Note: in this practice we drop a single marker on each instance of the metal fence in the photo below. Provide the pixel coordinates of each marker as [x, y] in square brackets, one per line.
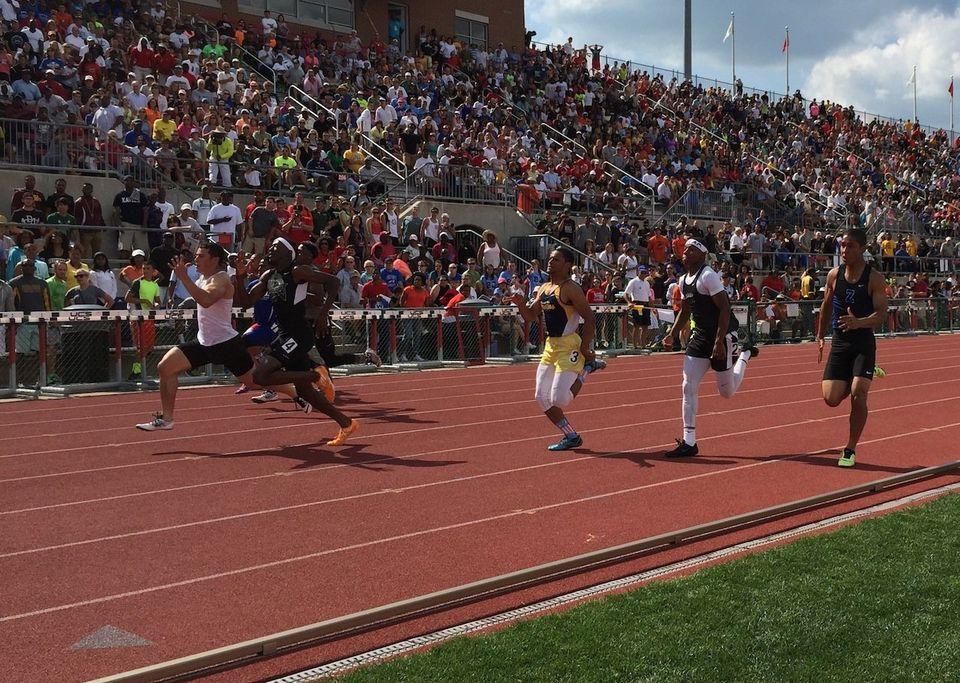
[65, 352]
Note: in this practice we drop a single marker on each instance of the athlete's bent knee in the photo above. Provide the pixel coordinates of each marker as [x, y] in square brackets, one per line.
[561, 397]
[544, 402]
[833, 401]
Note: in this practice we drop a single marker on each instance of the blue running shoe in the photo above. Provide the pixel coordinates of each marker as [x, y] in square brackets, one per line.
[592, 366]
[568, 442]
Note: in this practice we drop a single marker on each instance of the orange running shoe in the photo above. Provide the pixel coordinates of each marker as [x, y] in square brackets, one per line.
[344, 434]
[324, 383]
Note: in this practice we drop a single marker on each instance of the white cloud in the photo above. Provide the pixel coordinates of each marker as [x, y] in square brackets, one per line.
[872, 72]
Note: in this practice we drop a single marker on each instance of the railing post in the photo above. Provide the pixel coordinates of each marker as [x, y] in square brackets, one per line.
[42, 379]
[393, 340]
[440, 338]
[117, 350]
[12, 354]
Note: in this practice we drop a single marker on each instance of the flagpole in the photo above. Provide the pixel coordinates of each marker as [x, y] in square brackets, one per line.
[733, 50]
[951, 109]
[914, 92]
[788, 60]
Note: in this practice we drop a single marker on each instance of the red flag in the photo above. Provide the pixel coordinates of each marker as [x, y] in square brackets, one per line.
[786, 43]
[950, 89]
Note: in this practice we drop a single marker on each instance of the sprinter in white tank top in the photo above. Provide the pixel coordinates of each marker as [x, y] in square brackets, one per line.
[217, 341]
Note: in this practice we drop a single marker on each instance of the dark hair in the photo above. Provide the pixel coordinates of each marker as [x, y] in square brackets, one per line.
[311, 247]
[566, 254]
[106, 261]
[216, 251]
[859, 235]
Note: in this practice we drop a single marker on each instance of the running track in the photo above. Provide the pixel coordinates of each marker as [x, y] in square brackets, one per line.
[237, 524]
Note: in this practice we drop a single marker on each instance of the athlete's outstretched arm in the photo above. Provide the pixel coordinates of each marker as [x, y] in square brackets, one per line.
[216, 288]
[722, 302]
[825, 310]
[529, 312]
[678, 324]
[580, 305]
[241, 297]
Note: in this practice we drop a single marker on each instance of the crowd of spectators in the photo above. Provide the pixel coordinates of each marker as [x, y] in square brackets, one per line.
[125, 86]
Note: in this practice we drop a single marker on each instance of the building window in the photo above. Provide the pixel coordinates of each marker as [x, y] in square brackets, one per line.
[338, 13]
[470, 31]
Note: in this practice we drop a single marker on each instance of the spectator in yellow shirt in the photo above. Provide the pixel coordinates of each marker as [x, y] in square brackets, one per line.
[288, 169]
[354, 157]
[219, 151]
[165, 127]
[911, 246]
[887, 248]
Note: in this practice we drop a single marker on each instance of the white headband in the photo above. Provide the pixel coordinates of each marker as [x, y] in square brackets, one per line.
[695, 244]
[285, 243]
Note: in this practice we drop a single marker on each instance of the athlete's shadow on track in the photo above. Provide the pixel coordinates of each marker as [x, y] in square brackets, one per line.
[378, 414]
[318, 455]
[650, 458]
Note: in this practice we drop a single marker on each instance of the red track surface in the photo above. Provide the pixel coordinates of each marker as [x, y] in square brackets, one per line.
[237, 524]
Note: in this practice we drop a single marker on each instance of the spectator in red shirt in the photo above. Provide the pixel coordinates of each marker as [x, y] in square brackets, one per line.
[749, 291]
[415, 295]
[444, 251]
[373, 292]
[774, 283]
[383, 250]
[164, 61]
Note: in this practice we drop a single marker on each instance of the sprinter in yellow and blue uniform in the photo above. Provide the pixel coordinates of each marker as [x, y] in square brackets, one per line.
[567, 356]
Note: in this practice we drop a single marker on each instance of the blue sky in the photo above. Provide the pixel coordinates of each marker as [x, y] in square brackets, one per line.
[858, 52]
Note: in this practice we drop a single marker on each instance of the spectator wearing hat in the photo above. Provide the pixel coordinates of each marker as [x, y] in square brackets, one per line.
[189, 227]
[639, 295]
[165, 127]
[86, 293]
[219, 151]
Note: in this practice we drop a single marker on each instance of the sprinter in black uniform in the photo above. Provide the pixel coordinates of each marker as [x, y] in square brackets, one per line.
[713, 342]
[288, 357]
[854, 302]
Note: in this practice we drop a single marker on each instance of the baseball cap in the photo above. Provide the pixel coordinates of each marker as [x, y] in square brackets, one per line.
[137, 252]
[185, 206]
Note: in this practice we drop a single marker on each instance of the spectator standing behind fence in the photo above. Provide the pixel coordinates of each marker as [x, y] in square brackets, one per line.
[102, 275]
[202, 205]
[130, 214]
[144, 294]
[74, 263]
[88, 212]
[219, 150]
[86, 293]
[224, 220]
[57, 286]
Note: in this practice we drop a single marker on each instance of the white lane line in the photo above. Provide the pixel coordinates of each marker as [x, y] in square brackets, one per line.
[420, 430]
[421, 408]
[458, 525]
[455, 480]
[443, 377]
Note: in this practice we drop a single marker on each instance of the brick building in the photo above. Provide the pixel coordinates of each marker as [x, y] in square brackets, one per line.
[476, 21]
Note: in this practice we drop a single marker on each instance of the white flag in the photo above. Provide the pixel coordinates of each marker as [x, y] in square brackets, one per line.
[913, 77]
[729, 30]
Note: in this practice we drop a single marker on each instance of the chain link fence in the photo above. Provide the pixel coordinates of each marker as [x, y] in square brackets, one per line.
[64, 352]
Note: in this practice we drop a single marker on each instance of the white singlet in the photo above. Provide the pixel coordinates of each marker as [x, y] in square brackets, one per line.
[215, 322]
[392, 224]
[432, 231]
[491, 255]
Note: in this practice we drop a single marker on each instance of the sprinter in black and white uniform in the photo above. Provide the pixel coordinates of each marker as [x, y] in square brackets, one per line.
[713, 342]
[288, 359]
[217, 341]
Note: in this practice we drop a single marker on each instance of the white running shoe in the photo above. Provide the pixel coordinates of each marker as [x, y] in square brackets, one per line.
[303, 405]
[373, 357]
[266, 397]
[157, 423]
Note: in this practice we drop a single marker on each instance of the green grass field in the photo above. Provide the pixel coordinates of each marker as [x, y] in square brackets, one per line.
[878, 601]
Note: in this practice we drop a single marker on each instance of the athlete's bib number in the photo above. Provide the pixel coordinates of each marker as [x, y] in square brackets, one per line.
[575, 356]
[289, 346]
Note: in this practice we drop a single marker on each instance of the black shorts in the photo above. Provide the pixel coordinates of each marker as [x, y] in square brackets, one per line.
[292, 352]
[701, 346]
[231, 354]
[851, 356]
[641, 318]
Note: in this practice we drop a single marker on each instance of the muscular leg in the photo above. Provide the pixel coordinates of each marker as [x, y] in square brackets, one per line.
[730, 380]
[328, 351]
[171, 365]
[694, 370]
[269, 368]
[858, 409]
[834, 391]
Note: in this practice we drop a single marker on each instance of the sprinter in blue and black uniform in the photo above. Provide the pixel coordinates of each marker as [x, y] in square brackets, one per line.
[854, 303]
